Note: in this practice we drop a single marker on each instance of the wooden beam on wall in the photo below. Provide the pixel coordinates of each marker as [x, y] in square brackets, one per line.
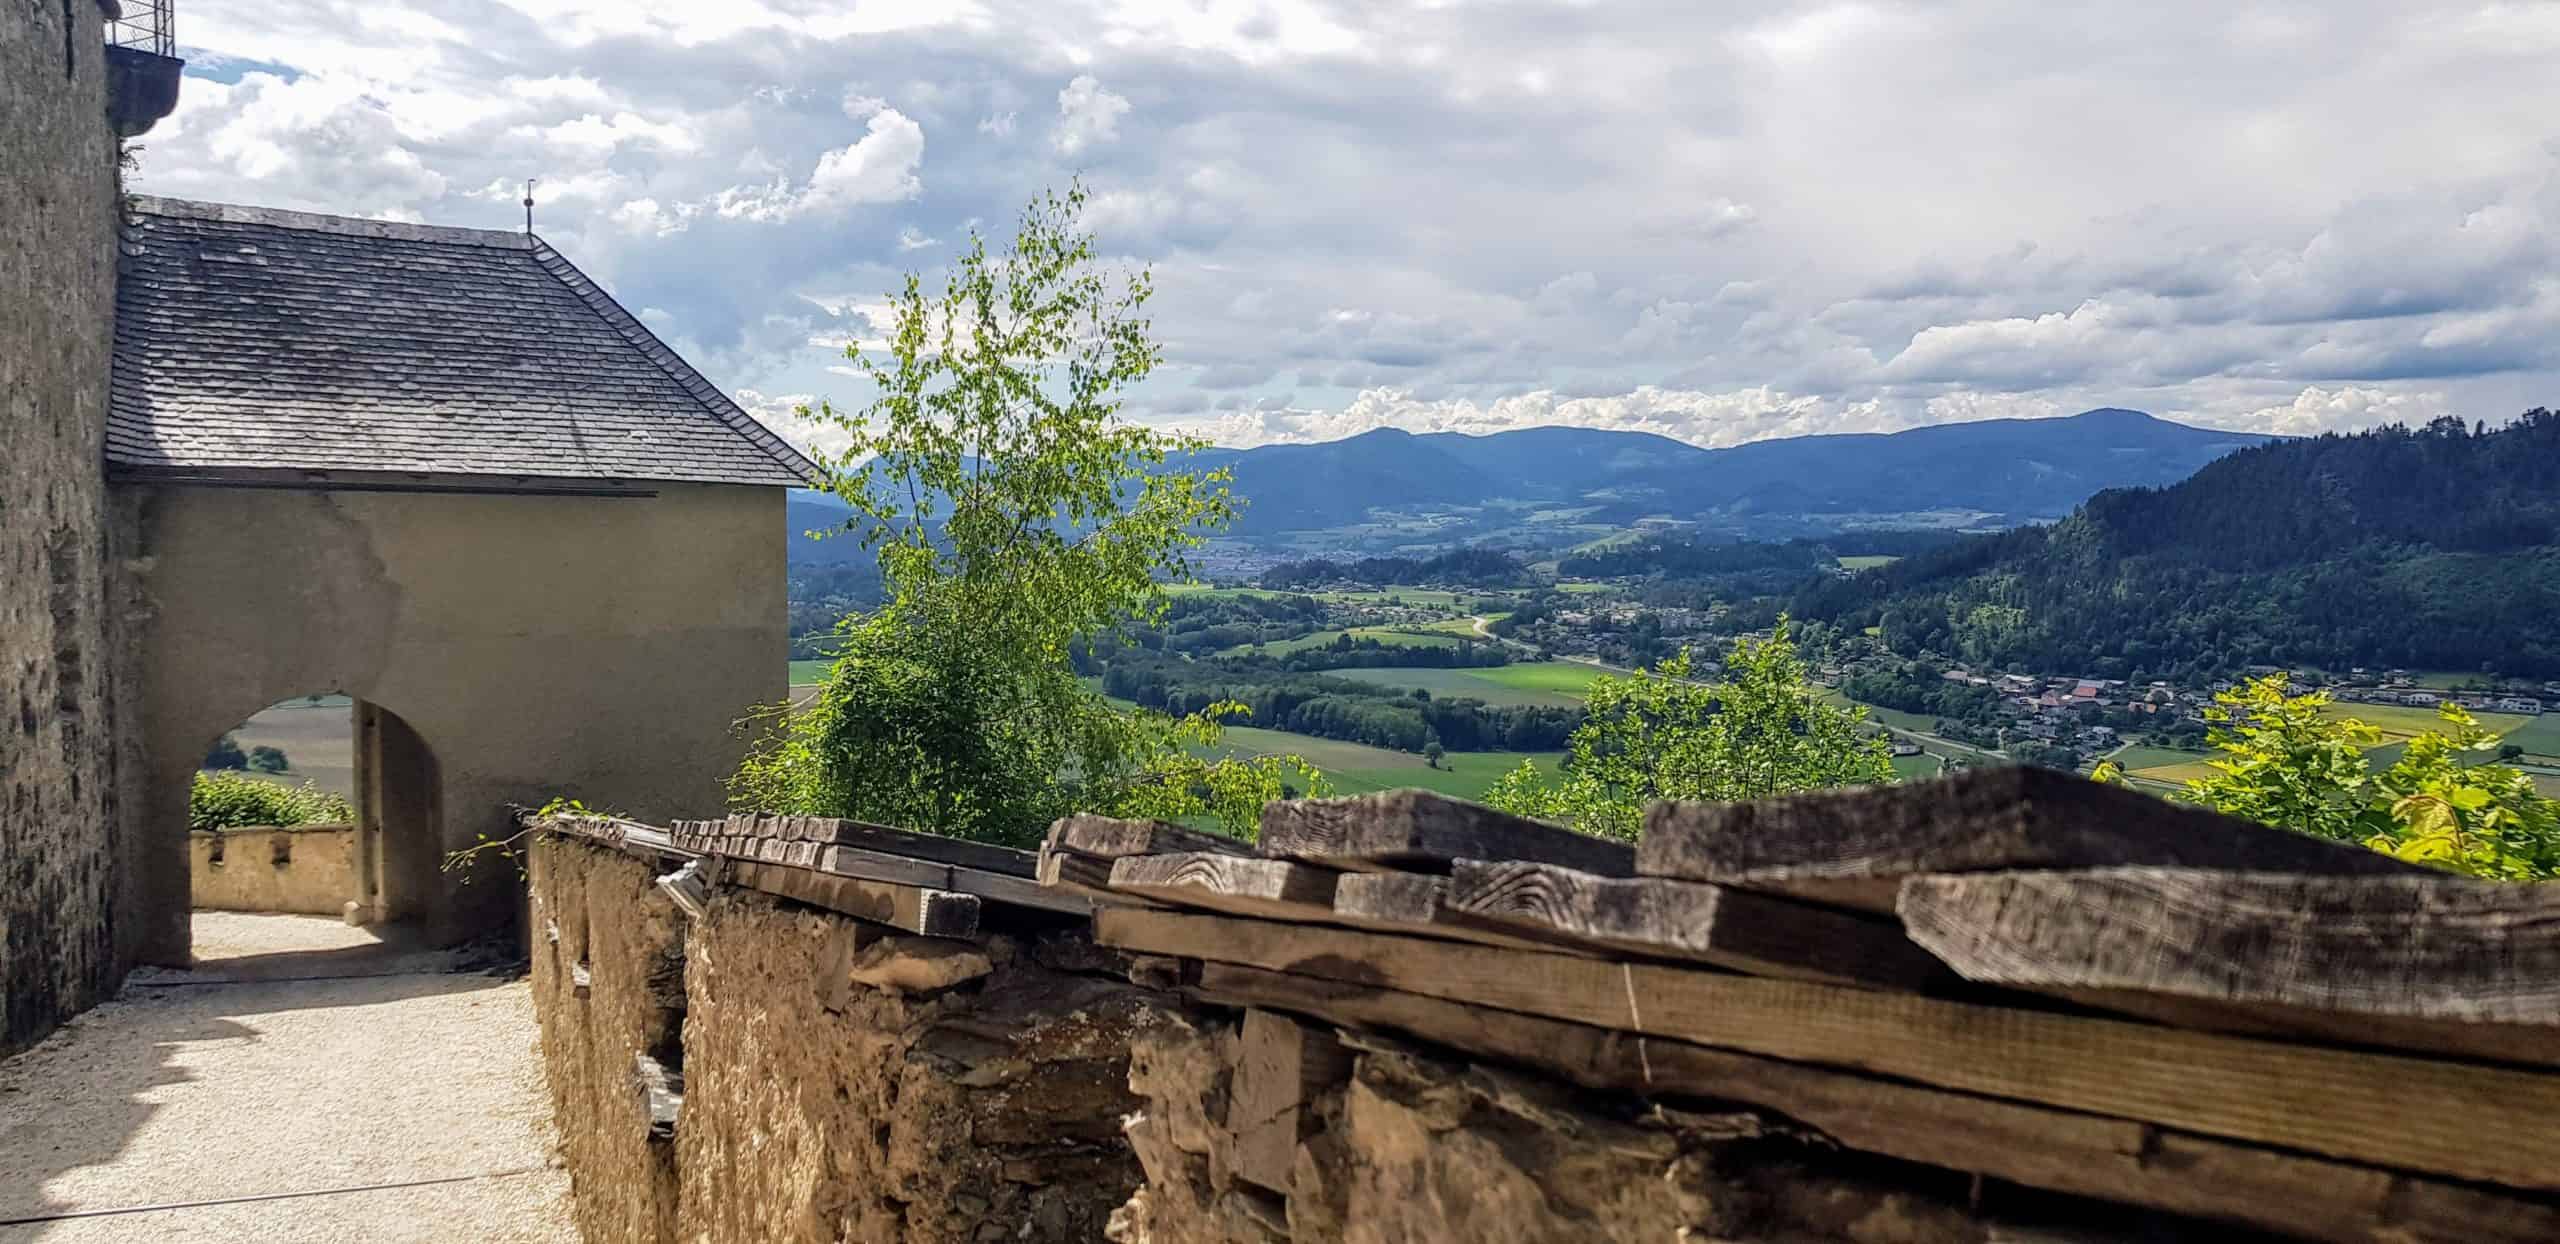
[2408, 1113]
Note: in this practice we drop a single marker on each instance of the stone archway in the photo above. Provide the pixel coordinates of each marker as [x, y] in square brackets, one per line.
[373, 861]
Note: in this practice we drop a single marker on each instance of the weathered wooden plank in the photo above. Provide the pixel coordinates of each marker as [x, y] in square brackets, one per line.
[1114, 838]
[1853, 847]
[1665, 917]
[1227, 883]
[1281, 1065]
[2082, 1154]
[927, 912]
[1420, 831]
[1414, 903]
[985, 857]
[2463, 1120]
[1075, 870]
[2438, 964]
[876, 866]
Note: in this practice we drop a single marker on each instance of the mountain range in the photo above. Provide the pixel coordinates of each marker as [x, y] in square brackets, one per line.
[1451, 486]
[1393, 491]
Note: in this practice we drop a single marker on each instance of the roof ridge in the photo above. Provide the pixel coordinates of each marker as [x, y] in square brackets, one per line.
[317, 222]
[693, 382]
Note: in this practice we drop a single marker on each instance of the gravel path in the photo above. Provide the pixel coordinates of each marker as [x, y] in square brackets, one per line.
[232, 1082]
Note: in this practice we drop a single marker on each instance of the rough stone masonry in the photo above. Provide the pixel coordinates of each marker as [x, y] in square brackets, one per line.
[59, 767]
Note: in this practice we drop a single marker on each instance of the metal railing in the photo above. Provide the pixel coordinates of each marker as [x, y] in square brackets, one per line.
[144, 25]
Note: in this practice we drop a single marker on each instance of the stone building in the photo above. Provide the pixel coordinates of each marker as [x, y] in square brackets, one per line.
[250, 455]
[439, 471]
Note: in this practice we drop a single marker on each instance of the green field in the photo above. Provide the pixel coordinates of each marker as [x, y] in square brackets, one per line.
[1474, 683]
[1399, 639]
[1868, 561]
[2134, 759]
[1464, 628]
[1882, 716]
[2539, 736]
[1357, 768]
[1574, 677]
[808, 673]
[1581, 588]
[2399, 721]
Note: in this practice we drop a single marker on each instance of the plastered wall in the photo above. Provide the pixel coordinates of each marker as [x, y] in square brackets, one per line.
[597, 648]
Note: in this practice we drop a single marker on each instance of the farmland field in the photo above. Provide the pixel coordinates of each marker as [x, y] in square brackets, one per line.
[806, 673]
[1868, 561]
[1475, 683]
[1573, 677]
[318, 741]
[2399, 721]
[2539, 736]
[2135, 759]
[1400, 639]
[1357, 768]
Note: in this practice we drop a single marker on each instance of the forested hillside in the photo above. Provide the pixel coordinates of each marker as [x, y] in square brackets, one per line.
[2429, 548]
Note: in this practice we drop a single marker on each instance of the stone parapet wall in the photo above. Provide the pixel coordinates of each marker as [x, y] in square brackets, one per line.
[1408, 1142]
[303, 868]
[1862, 1016]
[976, 1093]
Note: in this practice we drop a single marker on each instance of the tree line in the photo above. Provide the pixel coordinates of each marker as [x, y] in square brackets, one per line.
[2426, 548]
[1347, 709]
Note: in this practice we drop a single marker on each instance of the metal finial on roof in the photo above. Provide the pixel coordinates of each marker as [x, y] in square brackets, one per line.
[528, 206]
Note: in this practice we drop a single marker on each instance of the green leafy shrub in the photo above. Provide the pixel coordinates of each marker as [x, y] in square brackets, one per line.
[233, 800]
[1660, 735]
[2444, 802]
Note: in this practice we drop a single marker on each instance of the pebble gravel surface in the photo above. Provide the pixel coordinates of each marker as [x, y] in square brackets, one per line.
[357, 1093]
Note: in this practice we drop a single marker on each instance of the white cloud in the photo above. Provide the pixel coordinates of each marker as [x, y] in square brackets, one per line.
[880, 167]
[644, 215]
[2342, 409]
[1088, 115]
[1709, 221]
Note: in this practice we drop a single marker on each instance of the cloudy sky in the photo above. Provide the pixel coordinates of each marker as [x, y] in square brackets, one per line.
[1717, 221]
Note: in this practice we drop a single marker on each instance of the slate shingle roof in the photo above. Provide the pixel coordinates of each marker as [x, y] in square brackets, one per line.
[249, 339]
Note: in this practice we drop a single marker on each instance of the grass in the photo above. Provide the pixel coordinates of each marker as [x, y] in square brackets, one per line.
[2136, 759]
[1357, 768]
[2399, 721]
[1566, 676]
[809, 673]
[2538, 736]
[2175, 775]
[1868, 561]
[1464, 628]
[1398, 639]
[1450, 684]
[1580, 587]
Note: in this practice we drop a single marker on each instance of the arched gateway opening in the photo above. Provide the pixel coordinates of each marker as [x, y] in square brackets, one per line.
[313, 825]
